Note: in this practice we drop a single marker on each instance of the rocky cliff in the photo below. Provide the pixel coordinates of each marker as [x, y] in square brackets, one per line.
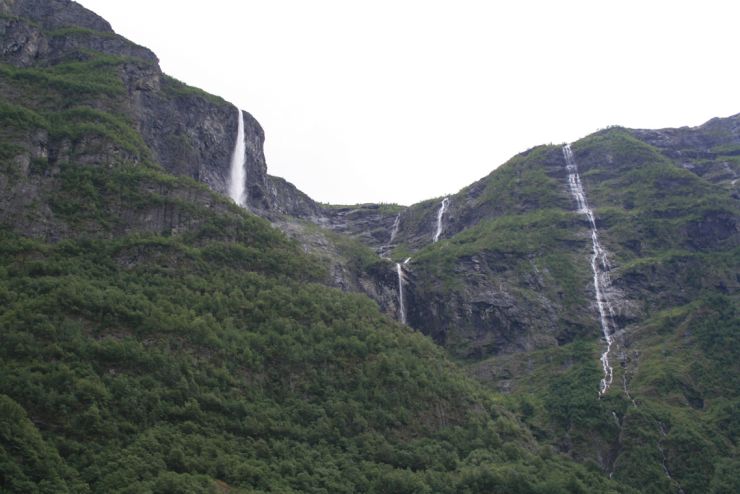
[188, 132]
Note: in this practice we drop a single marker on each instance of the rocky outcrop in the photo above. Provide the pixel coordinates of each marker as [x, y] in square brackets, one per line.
[60, 30]
[189, 133]
[707, 150]
[22, 44]
[186, 131]
[693, 140]
[352, 266]
[372, 224]
[487, 312]
[284, 198]
[55, 14]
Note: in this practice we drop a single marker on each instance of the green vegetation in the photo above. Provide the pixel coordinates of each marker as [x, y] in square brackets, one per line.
[156, 338]
[383, 207]
[20, 117]
[523, 184]
[174, 87]
[152, 363]
[360, 257]
[671, 238]
[79, 122]
[164, 340]
[74, 31]
[74, 81]
[521, 241]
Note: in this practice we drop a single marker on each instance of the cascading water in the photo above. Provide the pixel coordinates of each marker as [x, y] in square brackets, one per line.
[238, 176]
[401, 282]
[599, 266]
[399, 269]
[394, 230]
[440, 213]
[401, 305]
[383, 250]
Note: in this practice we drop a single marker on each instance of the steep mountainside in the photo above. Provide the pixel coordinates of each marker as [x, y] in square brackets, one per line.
[508, 288]
[156, 337]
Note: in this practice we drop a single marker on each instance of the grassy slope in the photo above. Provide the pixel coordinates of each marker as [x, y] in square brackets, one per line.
[657, 222]
[678, 256]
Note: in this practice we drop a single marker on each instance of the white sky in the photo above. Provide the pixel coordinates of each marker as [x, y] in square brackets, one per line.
[405, 100]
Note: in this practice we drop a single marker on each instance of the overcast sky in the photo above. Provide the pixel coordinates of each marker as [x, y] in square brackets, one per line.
[400, 101]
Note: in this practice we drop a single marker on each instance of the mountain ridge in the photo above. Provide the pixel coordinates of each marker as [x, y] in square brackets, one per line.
[104, 155]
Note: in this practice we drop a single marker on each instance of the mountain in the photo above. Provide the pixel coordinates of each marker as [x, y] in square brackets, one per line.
[509, 291]
[156, 337]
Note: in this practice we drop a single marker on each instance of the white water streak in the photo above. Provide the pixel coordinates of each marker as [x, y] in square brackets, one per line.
[384, 249]
[401, 283]
[238, 177]
[664, 434]
[394, 230]
[626, 389]
[599, 266]
[440, 213]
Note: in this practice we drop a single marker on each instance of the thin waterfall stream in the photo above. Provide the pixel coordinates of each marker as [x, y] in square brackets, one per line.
[599, 267]
[394, 230]
[401, 283]
[238, 174]
[442, 209]
[399, 268]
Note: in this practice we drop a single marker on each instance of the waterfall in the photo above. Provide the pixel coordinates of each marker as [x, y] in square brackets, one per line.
[599, 267]
[384, 249]
[401, 282]
[238, 175]
[394, 230]
[401, 305]
[440, 213]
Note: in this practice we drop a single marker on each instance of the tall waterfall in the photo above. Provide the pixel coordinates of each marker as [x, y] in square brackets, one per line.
[440, 213]
[599, 266]
[238, 177]
[401, 282]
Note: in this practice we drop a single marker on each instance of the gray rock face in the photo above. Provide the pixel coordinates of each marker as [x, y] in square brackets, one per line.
[60, 30]
[258, 189]
[378, 279]
[372, 224]
[187, 131]
[693, 140]
[188, 134]
[707, 150]
[22, 45]
[284, 198]
[62, 44]
[55, 14]
[487, 313]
